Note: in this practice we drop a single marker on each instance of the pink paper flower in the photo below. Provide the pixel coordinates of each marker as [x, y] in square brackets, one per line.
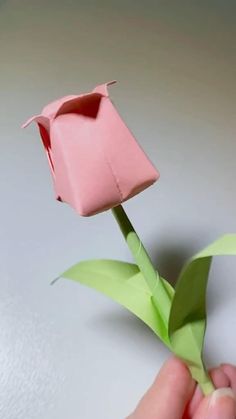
[95, 160]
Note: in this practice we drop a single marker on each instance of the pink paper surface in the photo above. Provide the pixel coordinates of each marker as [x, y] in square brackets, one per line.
[95, 160]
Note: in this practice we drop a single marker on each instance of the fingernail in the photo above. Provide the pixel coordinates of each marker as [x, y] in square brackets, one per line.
[222, 404]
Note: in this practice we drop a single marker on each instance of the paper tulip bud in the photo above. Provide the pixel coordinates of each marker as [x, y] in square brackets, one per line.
[95, 160]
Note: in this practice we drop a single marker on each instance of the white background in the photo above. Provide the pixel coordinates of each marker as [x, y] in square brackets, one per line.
[67, 352]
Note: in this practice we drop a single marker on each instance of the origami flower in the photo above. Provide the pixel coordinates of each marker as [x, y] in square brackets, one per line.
[95, 160]
[97, 164]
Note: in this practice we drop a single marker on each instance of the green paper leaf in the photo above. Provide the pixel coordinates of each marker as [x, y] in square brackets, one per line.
[187, 321]
[124, 283]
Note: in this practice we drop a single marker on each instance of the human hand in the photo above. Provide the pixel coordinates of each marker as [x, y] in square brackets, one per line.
[175, 395]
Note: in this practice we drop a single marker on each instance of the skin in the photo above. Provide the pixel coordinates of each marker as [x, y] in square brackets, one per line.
[174, 395]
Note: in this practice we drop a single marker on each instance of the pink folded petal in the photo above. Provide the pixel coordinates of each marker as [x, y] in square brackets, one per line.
[95, 160]
[103, 88]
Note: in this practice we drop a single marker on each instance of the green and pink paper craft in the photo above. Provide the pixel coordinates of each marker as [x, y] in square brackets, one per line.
[96, 165]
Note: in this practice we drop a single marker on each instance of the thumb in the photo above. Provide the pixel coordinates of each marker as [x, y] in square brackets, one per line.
[221, 404]
[168, 396]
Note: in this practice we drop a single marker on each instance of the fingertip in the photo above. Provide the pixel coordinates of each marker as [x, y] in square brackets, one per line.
[230, 371]
[220, 404]
[219, 377]
[176, 375]
[178, 369]
[173, 383]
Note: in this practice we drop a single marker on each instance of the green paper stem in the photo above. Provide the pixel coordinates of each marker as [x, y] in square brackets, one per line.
[203, 379]
[157, 287]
